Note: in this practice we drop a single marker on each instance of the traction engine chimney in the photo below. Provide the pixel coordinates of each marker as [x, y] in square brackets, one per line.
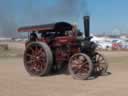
[87, 27]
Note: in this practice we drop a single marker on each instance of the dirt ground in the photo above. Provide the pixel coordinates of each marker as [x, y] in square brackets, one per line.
[14, 80]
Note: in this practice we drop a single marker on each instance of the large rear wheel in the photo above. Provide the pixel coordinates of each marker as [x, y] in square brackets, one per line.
[80, 66]
[38, 59]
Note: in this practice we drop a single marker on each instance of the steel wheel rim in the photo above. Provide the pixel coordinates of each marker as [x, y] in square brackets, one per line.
[100, 63]
[80, 67]
[35, 59]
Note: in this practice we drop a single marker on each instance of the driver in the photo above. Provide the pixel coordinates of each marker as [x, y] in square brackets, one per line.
[33, 36]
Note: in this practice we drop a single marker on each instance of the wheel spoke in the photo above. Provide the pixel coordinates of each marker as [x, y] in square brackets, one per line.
[36, 60]
[40, 51]
[101, 58]
[29, 62]
[100, 63]
[80, 65]
[29, 56]
[32, 50]
[42, 65]
[36, 48]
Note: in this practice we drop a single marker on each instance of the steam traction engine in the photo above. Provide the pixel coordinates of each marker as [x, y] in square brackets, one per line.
[54, 47]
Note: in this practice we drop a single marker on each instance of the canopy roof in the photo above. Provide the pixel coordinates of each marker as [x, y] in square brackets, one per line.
[59, 26]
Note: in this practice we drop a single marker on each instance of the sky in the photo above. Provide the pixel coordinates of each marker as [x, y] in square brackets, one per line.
[107, 16]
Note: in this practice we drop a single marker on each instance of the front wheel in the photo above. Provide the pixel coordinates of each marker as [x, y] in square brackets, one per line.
[100, 63]
[80, 66]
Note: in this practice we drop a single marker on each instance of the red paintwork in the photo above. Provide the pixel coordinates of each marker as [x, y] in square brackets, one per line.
[58, 43]
[63, 47]
[64, 40]
[33, 29]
